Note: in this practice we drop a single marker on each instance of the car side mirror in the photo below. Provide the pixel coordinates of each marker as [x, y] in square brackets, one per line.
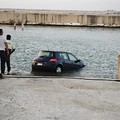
[78, 60]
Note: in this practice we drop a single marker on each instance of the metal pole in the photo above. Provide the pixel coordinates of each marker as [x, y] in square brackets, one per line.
[119, 66]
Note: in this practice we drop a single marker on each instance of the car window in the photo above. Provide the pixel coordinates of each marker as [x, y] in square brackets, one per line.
[72, 57]
[46, 53]
[63, 56]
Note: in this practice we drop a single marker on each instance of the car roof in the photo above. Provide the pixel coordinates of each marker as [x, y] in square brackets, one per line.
[54, 51]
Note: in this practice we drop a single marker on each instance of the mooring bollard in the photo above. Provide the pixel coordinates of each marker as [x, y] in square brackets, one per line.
[119, 66]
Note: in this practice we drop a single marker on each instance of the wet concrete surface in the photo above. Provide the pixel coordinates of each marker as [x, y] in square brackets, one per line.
[52, 98]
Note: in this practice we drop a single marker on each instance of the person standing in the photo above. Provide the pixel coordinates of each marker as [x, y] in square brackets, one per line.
[11, 49]
[14, 25]
[22, 26]
[3, 45]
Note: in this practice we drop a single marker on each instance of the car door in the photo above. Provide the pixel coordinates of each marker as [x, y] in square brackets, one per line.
[74, 61]
[65, 60]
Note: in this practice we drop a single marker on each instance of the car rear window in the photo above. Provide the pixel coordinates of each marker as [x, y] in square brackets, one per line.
[45, 53]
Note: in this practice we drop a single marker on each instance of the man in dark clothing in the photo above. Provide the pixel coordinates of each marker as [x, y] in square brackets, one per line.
[3, 45]
[11, 49]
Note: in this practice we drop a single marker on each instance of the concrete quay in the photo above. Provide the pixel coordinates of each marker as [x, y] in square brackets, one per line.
[55, 98]
[60, 17]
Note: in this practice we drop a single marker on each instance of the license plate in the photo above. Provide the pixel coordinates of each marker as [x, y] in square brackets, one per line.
[40, 64]
[33, 63]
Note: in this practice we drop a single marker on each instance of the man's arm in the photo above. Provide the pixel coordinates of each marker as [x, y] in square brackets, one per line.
[11, 51]
[13, 48]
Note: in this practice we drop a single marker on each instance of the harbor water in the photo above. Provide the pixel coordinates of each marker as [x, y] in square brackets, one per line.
[98, 47]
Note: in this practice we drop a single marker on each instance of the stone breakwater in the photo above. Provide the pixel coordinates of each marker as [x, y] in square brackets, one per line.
[60, 17]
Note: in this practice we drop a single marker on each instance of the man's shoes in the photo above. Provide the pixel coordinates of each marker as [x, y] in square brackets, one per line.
[1, 76]
[8, 73]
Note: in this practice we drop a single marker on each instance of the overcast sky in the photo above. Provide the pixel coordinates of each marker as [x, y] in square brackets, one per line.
[62, 4]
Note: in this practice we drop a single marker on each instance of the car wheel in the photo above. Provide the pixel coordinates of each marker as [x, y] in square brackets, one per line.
[58, 69]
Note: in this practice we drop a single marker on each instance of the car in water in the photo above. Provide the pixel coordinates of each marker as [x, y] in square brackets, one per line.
[56, 61]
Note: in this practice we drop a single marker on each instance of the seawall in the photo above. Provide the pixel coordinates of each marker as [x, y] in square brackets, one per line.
[60, 17]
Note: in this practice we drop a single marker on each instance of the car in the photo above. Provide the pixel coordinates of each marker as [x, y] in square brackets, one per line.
[56, 61]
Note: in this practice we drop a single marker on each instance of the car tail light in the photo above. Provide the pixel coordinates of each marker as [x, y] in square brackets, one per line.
[53, 60]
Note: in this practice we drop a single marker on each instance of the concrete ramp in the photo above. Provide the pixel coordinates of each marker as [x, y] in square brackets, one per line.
[41, 98]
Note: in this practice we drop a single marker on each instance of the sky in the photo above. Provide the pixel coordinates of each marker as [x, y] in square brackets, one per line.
[90, 5]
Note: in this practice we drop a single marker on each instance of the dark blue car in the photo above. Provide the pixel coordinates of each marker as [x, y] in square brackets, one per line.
[56, 61]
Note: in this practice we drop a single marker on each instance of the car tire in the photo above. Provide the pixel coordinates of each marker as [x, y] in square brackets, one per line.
[58, 69]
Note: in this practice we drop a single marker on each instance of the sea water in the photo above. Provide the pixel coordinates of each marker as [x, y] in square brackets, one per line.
[98, 47]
